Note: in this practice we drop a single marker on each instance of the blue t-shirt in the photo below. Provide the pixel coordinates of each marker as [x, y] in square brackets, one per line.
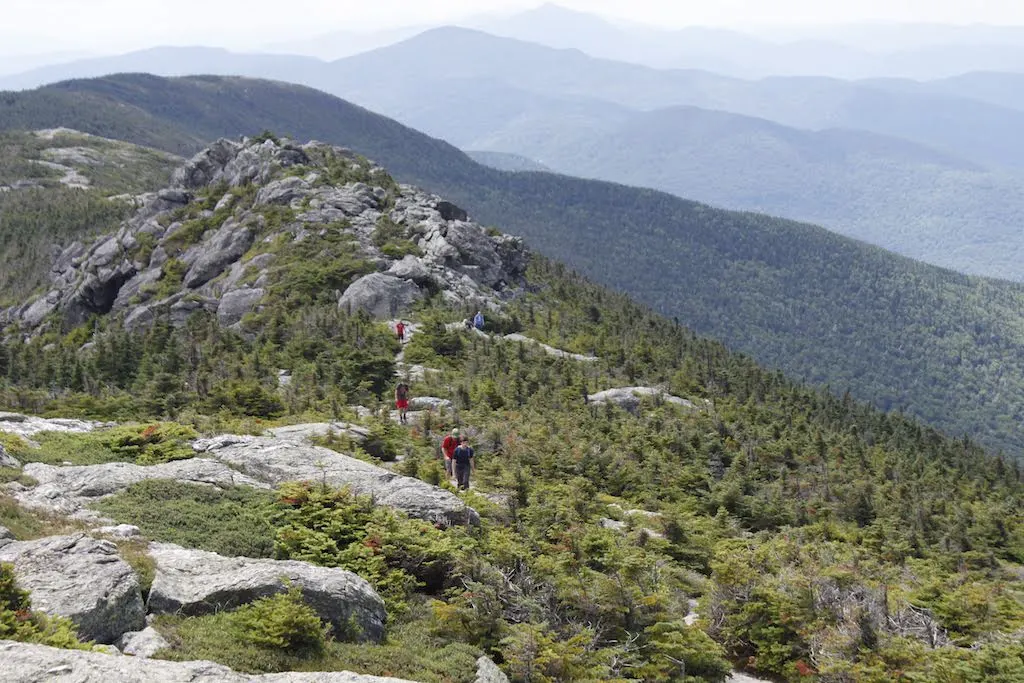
[463, 455]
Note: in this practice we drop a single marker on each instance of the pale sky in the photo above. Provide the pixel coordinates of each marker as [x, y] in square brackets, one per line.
[42, 26]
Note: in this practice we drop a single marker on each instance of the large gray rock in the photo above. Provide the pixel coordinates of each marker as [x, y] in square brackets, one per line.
[380, 295]
[225, 247]
[27, 663]
[235, 304]
[6, 459]
[142, 644]
[488, 672]
[550, 350]
[282, 191]
[429, 403]
[629, 398]
[411, 268]
[198, 582]
[96, 293]
[306, 431]
[80, 578]
[277, 461]
[69, 490]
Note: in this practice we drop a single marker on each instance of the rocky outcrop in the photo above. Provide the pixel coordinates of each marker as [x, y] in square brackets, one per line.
[80, 578]
[209, 259]
[488, 672]
[235, 304]
[550, 350]
[37, 663]
[276, 461]
[380, 295]
[69, 490]
[28, 426]
[305, 432]
[123, 271]
[429, 403]
[630, 398]
[142, 644]
[195, 582]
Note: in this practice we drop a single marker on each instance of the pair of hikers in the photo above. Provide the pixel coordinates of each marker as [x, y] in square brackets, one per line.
[476, 321]
[458, 458]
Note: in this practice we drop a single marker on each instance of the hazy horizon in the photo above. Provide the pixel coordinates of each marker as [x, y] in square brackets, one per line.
[41, 27]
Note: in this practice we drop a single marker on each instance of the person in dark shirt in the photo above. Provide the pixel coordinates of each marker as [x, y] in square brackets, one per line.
[464, 463]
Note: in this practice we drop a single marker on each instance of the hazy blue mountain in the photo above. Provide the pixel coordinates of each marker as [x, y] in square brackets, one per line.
[381, 79]
[337, 44]
[919, 51]
[504, 161]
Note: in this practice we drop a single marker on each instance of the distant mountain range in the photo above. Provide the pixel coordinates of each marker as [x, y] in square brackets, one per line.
[919, 51]
[931, 170]
[898, 333]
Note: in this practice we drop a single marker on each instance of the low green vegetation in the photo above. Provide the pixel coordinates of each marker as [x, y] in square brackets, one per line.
[233, 522]
[149, 444]
[240, 640]
[19, 622]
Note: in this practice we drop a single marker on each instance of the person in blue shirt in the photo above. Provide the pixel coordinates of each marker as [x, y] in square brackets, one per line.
[464, 463]
[478, 320]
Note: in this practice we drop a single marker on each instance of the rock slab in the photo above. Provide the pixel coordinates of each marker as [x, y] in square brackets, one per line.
[69, 490]
[198, 582]
[37, 663]
[81, 578]
[276, 461]
[142, 644]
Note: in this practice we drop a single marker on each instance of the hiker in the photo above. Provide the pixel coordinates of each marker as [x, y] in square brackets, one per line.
[478, 320]
[468, 322]
[448, 446]
[464, 463]
[402, 401]
[400, 331]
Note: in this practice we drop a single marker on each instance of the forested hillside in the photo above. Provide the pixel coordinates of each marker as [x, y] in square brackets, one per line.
[54, 189]
[899, 334]
[818, 538]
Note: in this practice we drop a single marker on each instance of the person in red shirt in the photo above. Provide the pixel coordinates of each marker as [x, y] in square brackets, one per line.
[402, 401]
[400, 330]
[448, 446]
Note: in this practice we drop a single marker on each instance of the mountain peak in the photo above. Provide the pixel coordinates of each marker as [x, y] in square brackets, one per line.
[241, 219]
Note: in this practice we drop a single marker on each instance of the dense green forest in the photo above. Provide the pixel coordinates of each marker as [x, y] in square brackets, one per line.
[37, 219]
[825, 309]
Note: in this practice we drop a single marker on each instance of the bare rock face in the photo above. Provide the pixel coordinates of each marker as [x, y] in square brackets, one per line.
[37, 663]
[226, 246]
[382, 296]
[235, 304]
[69, 490]
[277, 461]
[198, 582]
[28, 425]
[80, 578]
[629, 398]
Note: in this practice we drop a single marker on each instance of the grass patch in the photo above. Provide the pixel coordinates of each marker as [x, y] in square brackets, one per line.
[9, 474]
[411, 651]
[28, 525]
[141, 444]
[136, 553]
[231, 522]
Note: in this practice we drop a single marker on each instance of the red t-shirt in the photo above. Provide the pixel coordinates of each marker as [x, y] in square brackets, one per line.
[448, 446]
